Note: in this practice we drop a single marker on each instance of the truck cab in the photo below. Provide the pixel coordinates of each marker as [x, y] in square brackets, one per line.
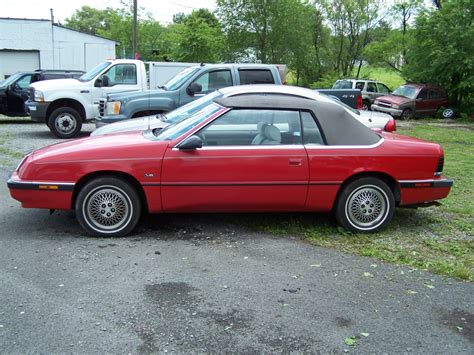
[65, 104]
[189, 85]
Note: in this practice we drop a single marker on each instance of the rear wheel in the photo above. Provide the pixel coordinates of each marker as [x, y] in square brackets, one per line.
[65, 122]
[365, 205]
[448, 113]
[108, 207]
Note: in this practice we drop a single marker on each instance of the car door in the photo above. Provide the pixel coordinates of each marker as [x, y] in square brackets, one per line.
[121, 77]
[251, 160]
[18, 94]
[209, 81]
[422, 103]
[371, 91]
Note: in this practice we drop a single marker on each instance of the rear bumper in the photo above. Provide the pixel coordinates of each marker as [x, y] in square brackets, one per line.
[391, 111]
[424, 191]
[41, 194]
[38, 110]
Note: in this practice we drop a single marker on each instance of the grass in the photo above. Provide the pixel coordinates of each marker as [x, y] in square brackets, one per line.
[438, 239]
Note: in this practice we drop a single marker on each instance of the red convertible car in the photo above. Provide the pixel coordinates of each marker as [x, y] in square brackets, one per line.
[247, 153]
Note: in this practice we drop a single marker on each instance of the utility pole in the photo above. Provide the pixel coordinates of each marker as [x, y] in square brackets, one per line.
[52, 37]
[134, 28]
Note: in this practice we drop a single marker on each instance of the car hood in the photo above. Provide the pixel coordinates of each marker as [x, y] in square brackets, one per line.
[394, 99]
[131, 145]
[135, 124]
[120, 96]
[55, 84]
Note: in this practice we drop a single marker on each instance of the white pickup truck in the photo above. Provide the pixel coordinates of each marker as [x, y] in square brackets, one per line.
[64, 104]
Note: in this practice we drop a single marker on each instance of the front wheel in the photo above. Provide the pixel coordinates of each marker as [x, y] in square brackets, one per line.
[108, 207]
[65, 122]
[407, 114]
[365, 205]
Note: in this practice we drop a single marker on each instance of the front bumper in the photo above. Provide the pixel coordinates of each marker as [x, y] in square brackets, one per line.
[391, 111]
[41, 194]
[101, 121]
[38, 110]
[424, 191]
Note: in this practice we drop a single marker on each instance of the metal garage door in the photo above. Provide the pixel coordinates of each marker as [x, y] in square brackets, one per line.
[12, 61]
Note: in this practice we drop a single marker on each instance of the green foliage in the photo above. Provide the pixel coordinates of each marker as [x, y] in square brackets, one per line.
[196, 38]
[443, 51]
[93, 21]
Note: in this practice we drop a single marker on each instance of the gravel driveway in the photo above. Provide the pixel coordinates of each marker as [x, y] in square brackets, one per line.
[195, 283]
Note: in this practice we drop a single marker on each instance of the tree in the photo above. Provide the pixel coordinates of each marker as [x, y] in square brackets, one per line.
[196, 37]
[443, 50]
[351, 22]
[93, 21]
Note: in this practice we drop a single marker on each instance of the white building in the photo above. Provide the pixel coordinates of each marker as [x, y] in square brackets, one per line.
[27, 44]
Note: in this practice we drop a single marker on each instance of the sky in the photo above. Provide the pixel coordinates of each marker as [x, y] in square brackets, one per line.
[162, 10]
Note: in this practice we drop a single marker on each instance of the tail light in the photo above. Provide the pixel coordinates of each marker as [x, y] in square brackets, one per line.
[359, 102]
[390, 126]
[439, 166]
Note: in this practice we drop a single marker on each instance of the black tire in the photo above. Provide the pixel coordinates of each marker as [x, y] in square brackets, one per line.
[365, 205]
[122, 209]
[365, 105]
[407, 114]
[65, 122]
[448, 113]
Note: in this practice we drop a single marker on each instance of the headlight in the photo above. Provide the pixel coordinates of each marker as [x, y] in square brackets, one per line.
[39, 97]
[113, 107]
[395, 106]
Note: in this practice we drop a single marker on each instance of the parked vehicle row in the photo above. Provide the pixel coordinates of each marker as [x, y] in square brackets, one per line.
[65, 105]
[160, 121]
[370, 89]
[242, 149]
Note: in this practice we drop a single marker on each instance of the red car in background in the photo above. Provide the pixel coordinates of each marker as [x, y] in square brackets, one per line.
[414, 100]
[246, 153]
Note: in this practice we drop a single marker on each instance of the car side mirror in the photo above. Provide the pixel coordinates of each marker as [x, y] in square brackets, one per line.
[419, 99]
[193, 89]
[191, 143]
[102, 81]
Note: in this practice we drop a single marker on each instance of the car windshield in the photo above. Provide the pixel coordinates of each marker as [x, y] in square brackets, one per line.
[91, 74]
[175, 130]
[178, 80]
[10, 80]
[342, 84]
[191, 108]
[407, 91]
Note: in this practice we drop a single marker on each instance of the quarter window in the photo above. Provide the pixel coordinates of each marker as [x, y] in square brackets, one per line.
[255, 76]
[253, 127]
[214, 80]
[311, 132]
